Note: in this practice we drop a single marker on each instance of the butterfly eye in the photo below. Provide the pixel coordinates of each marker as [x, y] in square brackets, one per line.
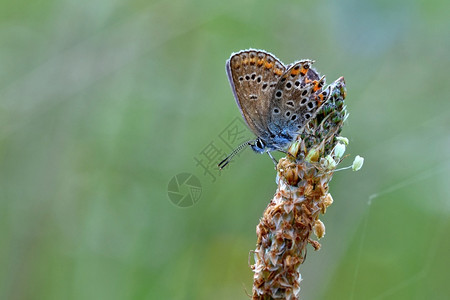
[259, 144]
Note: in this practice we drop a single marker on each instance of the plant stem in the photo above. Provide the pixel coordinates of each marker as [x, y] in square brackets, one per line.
[302, 195]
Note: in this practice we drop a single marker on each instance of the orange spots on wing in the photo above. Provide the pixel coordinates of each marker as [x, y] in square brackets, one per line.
[295, 72]
[303, 71]
[307, 80]
[319, 100]
[316, 86]
[278, 72]
[268, 65]
[260, 62]
[252, 60]
[245, 61]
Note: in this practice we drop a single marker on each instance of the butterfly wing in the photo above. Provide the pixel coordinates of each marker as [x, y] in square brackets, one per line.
[296, 98]
[253, 76]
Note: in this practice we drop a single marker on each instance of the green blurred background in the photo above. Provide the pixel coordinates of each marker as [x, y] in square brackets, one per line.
[103, 102]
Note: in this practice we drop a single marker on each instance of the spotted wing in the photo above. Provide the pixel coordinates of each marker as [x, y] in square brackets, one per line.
[253, 76]
[296, 98]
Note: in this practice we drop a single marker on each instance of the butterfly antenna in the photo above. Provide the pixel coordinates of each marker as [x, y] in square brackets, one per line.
[227, 159]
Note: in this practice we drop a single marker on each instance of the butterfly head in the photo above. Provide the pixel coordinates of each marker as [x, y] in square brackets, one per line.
[259, 146]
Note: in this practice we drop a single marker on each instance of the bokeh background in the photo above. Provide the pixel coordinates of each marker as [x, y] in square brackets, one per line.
[103, 102]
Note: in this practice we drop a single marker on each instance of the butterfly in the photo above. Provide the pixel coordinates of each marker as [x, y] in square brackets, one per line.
[276, 101]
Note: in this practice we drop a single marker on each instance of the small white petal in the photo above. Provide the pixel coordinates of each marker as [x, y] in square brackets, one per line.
[343, 140]
[331, 163]
[339, 150]
[357, 163]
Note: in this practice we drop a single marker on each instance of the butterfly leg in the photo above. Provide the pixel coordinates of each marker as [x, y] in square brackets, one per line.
[273, 159]
[287, 153]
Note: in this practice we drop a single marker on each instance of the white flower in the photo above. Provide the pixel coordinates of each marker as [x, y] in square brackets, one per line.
[339, 150]
[342, 139]
[328, 163]
[357, 163]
